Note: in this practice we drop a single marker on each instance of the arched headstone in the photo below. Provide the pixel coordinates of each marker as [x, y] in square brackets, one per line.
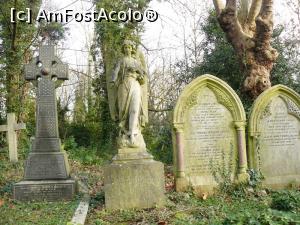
[209, 131]
[274, 136]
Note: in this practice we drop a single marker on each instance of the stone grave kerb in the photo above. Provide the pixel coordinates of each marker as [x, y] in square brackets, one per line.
[187, 99]
[289, 96]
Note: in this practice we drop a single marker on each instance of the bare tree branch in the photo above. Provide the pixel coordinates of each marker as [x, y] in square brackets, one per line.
[243, 12]
[251, 40]
[254, 11]
[231, 4]
[264, 30]
[266, 11]
[219, 6]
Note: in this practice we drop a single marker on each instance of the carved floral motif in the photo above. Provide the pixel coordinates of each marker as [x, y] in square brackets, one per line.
[292, 107]
[266, 112]
[223, 99]
[191, 101]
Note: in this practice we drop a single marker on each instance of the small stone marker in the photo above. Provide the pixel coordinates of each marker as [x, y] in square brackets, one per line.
[274, 136]
[46, 170]
[12, 140]
[209, 124]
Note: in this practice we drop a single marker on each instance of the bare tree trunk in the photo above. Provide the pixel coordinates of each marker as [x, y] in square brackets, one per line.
[250, 31]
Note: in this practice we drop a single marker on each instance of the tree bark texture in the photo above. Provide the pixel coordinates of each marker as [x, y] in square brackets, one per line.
[249, 30]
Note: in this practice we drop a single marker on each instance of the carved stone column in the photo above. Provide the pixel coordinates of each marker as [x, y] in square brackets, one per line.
[242, 154]
[181, 181]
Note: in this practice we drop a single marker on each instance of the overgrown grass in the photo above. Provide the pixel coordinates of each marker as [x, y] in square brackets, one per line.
[35, 213]
[186, 208]
[241, 205]
[244, 205]
[43, 213]
[84, 155]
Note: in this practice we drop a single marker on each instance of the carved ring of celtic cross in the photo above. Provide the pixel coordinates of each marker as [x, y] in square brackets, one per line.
[45, 70]
[46, 66]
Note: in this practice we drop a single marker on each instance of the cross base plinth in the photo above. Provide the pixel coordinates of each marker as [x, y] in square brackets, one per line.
[49, 190]
[47, 166]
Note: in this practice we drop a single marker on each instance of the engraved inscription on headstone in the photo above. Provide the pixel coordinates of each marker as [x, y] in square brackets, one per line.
[279, 130]
[209, 126]
[45, 190]
[209, 132]
[275, 136]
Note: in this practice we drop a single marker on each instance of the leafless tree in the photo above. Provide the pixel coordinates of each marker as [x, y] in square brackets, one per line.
[248, 25]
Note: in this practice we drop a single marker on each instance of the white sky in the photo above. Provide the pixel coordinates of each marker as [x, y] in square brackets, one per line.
[167, 33]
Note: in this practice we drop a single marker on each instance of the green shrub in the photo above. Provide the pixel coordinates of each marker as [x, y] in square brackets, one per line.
[222, 171]
[264, 218]
[70, 144]
[256, 178]
[159, 142]
[285, 200]
[7, 188]
[81, 134]
[85, 155]
[97, 200]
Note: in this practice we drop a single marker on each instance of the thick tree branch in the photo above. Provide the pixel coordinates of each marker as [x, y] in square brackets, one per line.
[243, 12]
[254, 11]
[264, 30]
[261, 60]
[231, 26]
[250, 37]
[266, 11]
[231, 4]
[219, 6]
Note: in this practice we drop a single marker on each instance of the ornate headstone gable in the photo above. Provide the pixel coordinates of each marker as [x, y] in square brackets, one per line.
[274, 136]
[209, 124]
[46, 163]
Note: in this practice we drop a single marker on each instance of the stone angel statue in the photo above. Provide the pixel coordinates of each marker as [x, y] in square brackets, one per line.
[129, 78]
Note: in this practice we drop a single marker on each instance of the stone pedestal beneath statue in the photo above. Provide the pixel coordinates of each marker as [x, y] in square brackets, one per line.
[134, 183]
[49, 190]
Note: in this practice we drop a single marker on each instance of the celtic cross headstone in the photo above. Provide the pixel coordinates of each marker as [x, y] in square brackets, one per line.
[44, 72]
[46, 170]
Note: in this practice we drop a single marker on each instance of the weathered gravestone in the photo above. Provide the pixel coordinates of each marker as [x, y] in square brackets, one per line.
[274, 136]
[46, 170]
[209, 126]
[11, 128]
